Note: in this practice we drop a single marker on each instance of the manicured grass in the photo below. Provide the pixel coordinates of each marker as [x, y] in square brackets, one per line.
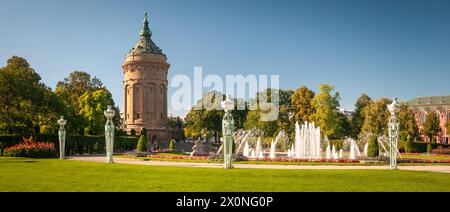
[57, 175]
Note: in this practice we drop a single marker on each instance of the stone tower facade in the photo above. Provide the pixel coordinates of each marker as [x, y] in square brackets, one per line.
[145, 87]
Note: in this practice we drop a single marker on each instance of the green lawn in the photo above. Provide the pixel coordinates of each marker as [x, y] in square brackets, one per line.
[56, 175]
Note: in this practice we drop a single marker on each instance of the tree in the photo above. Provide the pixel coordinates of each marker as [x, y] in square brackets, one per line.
[408, 145]
[376, 117]
[283, 122]
[25, 102]
[142, 142]
[429, 148]
[408, 124]
[301, 104]
[92, 106]
[70, 90]
[207, 118]
[358, 118]
[343, 128]
[326, 114]
[373, 149]
[431, 126]
[172, 146]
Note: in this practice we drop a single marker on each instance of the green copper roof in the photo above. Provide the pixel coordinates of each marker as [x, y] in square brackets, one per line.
[145, 43]
[430, 101]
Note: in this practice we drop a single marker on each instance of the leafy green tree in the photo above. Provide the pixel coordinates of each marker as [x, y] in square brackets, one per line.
[373, 149]
[376, 117]
[206, 118]
[408, 124]
[358, 118]
[271, 128]
[326, 114]
[25, 102]
[92, 107]
[431, 126]
[343, 128]
[408, 145]
[70, 90]
[301, 104]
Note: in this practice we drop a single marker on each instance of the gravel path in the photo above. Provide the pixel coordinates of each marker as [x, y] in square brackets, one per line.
[101, 159]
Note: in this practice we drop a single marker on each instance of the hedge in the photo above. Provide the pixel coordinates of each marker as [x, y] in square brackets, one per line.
[419, 147]
[75, 144]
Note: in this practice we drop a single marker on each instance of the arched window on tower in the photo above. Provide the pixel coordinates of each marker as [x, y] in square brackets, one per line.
[423, 118]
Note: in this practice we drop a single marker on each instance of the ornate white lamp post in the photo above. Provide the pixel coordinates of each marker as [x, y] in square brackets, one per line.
[393, 133]
[109, 134]
[227, 129]
[62, 137]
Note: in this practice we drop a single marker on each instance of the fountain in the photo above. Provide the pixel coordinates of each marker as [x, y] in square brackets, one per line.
[307, 141]
[354, 149]
[334, 153]
[366, 149]
[341, 154]
[272, 150]
[328, 155]
[259, 150]
[246, 150]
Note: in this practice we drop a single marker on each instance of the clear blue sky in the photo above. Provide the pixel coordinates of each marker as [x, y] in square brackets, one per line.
[383, 48]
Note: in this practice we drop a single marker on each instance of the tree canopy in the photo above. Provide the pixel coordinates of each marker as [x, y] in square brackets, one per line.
[358, 118]
[376, 117]
[431, 125]
[26, 102]
[301, 104]
[327, 114]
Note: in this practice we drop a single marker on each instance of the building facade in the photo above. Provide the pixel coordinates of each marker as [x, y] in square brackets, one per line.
[423, 106]
[145, 89]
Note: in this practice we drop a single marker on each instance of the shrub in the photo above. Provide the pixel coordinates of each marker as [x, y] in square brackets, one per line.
[172, 145]
[429, 148]
[373, 149]
[142, 143]
[408, 146]
[133, 132]
[30, 148]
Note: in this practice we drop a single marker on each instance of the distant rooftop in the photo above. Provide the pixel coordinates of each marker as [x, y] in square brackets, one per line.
[429, 101]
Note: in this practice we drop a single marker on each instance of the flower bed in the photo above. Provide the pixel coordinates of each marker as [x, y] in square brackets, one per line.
[445, 152]
[423, 161]
[31, 149]
[177, 157]
[433, 154]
